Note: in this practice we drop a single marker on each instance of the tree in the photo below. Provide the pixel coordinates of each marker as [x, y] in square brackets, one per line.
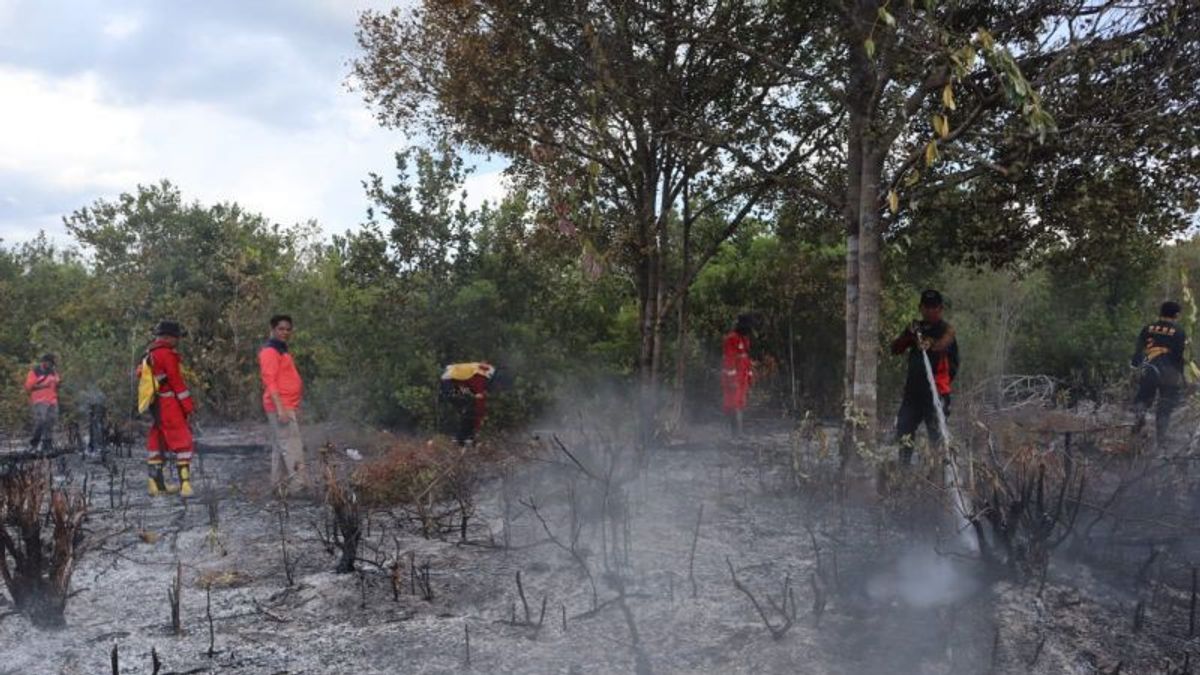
[610, 108]
[1006, 112]
[215, 268]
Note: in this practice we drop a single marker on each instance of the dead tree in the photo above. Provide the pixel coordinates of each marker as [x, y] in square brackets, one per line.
[1030, 501]
[36, 571]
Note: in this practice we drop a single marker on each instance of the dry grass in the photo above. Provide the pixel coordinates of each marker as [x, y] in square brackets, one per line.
[434, 480]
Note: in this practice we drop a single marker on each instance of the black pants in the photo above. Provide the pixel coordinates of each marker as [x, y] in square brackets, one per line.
[915, 410]
[1165, 384]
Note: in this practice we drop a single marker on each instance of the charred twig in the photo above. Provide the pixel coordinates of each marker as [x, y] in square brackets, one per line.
[819, 599]
[1192, 607]
[155, 664]
[115, 660]
[467, 633]
[423, 581]
[776, 631]
[574, 460]
[212, 636]
[289, 566]
[532, 506]
[524, 602]
[692, 555]
[1037, 652]
[268, 613]
[175, 597]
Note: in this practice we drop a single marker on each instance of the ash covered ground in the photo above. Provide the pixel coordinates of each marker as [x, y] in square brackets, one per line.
[603, 539]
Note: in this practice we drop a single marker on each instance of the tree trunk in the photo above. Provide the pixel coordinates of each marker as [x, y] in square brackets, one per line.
[870, 292]
[683, 291]
[853, 190]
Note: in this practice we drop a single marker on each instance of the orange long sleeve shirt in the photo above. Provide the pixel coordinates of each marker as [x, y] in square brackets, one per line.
[42, 387]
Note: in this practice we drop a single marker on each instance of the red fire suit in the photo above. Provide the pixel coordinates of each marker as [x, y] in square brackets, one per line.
[736, 372]
[170, 432]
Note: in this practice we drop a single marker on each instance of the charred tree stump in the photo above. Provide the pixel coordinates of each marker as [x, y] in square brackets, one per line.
[347, 520]
[39, 542]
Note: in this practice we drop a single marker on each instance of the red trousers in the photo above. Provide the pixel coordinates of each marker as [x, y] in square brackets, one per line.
[170, 432]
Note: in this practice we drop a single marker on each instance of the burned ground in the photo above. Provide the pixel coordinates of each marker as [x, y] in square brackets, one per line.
[702, 556]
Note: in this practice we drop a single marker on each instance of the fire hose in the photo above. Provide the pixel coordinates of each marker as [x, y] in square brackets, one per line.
[950, 475]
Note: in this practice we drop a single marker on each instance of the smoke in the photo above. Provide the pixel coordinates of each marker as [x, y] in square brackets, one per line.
[922, 579]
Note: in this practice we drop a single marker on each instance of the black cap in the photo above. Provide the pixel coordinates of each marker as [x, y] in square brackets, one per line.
[47, 358]
[171, 328]
[931, 298]
[1170, 308]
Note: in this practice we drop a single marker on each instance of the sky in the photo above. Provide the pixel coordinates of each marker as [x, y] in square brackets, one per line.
[230, 100]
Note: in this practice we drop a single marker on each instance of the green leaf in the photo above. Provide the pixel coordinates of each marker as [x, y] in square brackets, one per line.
[887, 17]
[869, 45]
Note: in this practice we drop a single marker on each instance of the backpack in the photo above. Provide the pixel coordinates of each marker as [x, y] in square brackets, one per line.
[147, 388]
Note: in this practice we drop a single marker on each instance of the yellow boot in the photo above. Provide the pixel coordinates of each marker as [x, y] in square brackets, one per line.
[185, 480]
[158, 485]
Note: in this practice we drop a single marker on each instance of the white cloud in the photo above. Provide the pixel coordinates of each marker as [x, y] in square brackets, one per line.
[483, 187]
[62, 134]
[226, 104]
[59, 132]
[122, 26]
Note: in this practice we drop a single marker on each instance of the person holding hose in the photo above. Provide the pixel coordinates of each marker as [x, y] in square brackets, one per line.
[933, 336]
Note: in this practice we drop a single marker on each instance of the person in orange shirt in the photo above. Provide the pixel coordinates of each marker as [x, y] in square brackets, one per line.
[283, 391]
[737, 372]
[42, 384]
[171, 434]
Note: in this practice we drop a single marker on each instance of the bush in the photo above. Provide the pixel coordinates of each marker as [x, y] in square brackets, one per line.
[434, 480]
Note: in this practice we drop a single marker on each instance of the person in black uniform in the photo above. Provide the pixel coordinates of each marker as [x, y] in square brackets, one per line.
[1159, 355]
[934, 336]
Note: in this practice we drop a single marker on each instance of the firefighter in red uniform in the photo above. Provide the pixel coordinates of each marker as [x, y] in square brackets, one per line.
[172, 407]
[466, 386]
[737, 372]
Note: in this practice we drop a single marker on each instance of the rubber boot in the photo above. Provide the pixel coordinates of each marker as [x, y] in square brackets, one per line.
[158, 484]
[185, 480]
